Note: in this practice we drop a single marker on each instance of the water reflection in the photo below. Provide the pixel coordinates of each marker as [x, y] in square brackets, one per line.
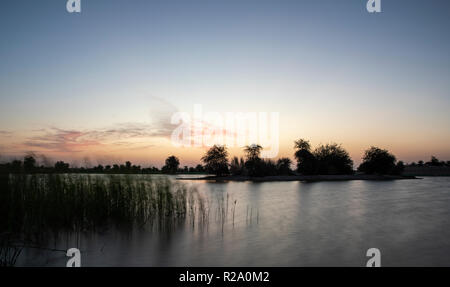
[289, 224]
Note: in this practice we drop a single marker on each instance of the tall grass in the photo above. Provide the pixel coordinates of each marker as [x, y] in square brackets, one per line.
[34, 207]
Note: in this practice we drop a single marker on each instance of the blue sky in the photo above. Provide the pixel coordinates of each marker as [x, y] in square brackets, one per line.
[332, 70]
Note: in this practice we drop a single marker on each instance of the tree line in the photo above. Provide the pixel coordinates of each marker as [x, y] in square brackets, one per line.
[29, 165]
[323, 160]
[328, 159]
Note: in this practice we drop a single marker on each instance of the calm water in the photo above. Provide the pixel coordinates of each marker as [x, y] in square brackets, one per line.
[288, 224]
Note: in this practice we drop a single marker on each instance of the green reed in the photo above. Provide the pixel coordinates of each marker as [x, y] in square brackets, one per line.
[35, 205]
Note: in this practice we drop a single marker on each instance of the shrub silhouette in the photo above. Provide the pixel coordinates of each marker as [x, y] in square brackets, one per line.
[306, 162]
[172, 164]
[29, 163]
[284, 166]
[216, 160]
[333, 159]
[254, 165]
[434, 161]
[237, 166]
[199, 168]
[61, 166]
[379, 161]
[399, 168]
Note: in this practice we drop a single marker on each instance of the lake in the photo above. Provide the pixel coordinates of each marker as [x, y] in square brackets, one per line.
[285, 224]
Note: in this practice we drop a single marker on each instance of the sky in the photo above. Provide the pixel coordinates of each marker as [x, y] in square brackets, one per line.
[101, 86]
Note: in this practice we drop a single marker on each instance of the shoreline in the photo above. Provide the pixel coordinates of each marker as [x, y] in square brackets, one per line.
[307, 178]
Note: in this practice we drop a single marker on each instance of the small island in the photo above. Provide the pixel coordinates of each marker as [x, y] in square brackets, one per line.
[330, 162]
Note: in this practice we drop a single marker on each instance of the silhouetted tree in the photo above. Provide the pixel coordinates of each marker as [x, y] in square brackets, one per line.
[29, 163]
[253, 151]
[380, 161]
[268, 168]
[306, 162]
[16, 165]
[434, 162]
[253, 164]
[399, 167]
[237, 166]
[333, 159]
[128, 165]
[61, 166]
[172, 163]
[98, 168]
[302, 144]
[199, 168]
[216, 160]
[284, 166]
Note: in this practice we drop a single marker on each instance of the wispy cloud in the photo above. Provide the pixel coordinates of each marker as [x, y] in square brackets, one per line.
[5, 133]
[63, 140]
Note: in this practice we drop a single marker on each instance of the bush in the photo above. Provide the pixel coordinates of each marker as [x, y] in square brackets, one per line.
[326, 159]
[380, 161]
[284, 166]
[172, 164]
[306, 162]
[216, 160]
[333, 159]
[237, 166]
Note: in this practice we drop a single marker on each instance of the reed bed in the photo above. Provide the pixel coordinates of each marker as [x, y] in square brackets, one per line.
[34, 207]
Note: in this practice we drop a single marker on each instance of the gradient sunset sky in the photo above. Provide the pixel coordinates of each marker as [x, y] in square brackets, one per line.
[103, 84]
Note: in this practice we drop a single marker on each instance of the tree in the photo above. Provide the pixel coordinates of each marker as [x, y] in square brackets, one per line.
[399, 167]
[333, 159]
[199, 168]
[284, 166]
[434, 162]
[302, 144]
[377, 160]
[98, 168]
[216, 160]
[29, 163]
[128, 165]
[16, 165]
[254, 165]
[253, 151]
[237, 167]
[268, 168]
[306, 162]
[61, 166]
[172, 163]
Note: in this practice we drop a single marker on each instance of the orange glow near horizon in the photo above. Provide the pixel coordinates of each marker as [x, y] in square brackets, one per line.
[154, 153]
